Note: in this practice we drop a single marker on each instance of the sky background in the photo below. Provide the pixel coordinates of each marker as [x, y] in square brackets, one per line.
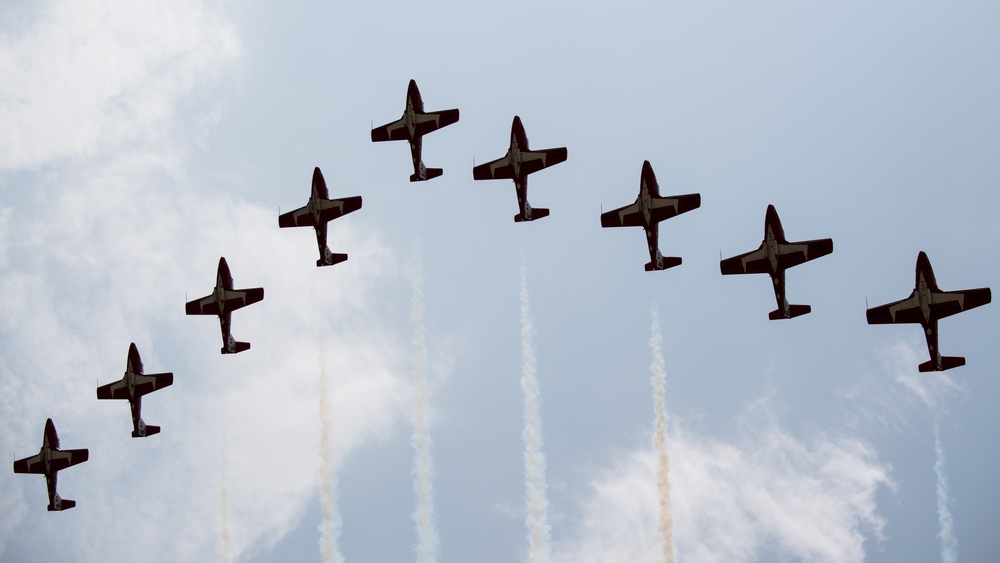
[139, 142]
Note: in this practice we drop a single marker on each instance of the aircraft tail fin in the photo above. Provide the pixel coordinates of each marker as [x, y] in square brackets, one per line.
[330, 258]
[663, 263]
[947, 362]
[236, 347]
[60, 504]
[790, 312]
[532, 214]
[426, 174]
[146, 431]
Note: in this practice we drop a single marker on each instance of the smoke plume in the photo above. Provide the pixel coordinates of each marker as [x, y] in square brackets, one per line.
[534, 460]
[329, 528]
[224, 507]
[659, 381]
[423, 468]
[949, 545]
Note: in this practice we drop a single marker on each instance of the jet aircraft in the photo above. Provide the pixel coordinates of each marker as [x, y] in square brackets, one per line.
[133, 385]
[319, 211]
[774, 256]
[926, 305]
[516, 165]
[414, 124]
[648, 210]
[49, 461]
[222, 302]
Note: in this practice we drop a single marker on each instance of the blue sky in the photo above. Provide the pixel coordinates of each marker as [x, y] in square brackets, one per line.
[142, 142]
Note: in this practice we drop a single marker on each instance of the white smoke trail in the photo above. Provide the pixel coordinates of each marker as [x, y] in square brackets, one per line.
[949, 544]
[665, 526]
[329, 527]
[423, 468]
[224, 507]
[537, 519]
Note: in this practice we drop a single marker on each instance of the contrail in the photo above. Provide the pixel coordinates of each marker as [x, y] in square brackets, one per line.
[949, 545]
[423, 468]
[224, 506]
[537, 519]
[659, 380]
[329, 528]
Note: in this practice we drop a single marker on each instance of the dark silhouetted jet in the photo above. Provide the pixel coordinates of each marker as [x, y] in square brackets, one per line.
[49, 462]
[133, 385]
[414, 124]
[319, 211]
[222, 302]
[926, 305]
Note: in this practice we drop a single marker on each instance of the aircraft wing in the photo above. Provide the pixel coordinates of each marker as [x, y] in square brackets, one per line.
[331, 209]
[498, 169]
[147, 383]
[627, 216]
[301, 217]
[61, 459]
[663, 208]
[795, 253]
[902, 311]
[33, 464]
[753, 262]
[239, 298]
[533, 161]
[202, 306]
[427, 122]
[947, 303]
[393, 131]
[116, 390]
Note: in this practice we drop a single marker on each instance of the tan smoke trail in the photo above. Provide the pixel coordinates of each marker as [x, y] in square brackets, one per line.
[949, 544]
[423, 468]
[224, 506]
[537, 520]
[329, 527]
[665, 527]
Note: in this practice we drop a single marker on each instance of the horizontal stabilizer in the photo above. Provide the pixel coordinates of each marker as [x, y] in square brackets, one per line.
[663, 263]
[536, 213]
[793, 311]
[150, 430]
[61, 504]
[237, 348]
[428, 174]
[947, 362]
[330, 259]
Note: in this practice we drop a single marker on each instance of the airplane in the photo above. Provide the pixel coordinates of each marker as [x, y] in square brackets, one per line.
[926, 305]
[222, 302]
[49, 461]
[132, 387]
[648, 210]
[317, 213]
[774, 256]
[414, 124]
[516, 165]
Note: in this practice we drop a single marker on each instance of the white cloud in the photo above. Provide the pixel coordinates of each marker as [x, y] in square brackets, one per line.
[766, 492]
[95, 75]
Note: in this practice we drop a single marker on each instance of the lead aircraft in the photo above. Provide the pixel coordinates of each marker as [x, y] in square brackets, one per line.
[319, 211]
[774, 256]
[133, 385]
[516, 165]
[49, 462]
[926, 305]
[222, 302]
[648, 210]
[414, 124]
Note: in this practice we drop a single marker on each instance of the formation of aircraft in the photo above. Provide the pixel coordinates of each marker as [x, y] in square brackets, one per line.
[649, 209]
[773, 257]
[132, 386]
[516, 165]
[49, 461]
[926, 305]
[222, 302]
[319, 211]
[412, 127]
